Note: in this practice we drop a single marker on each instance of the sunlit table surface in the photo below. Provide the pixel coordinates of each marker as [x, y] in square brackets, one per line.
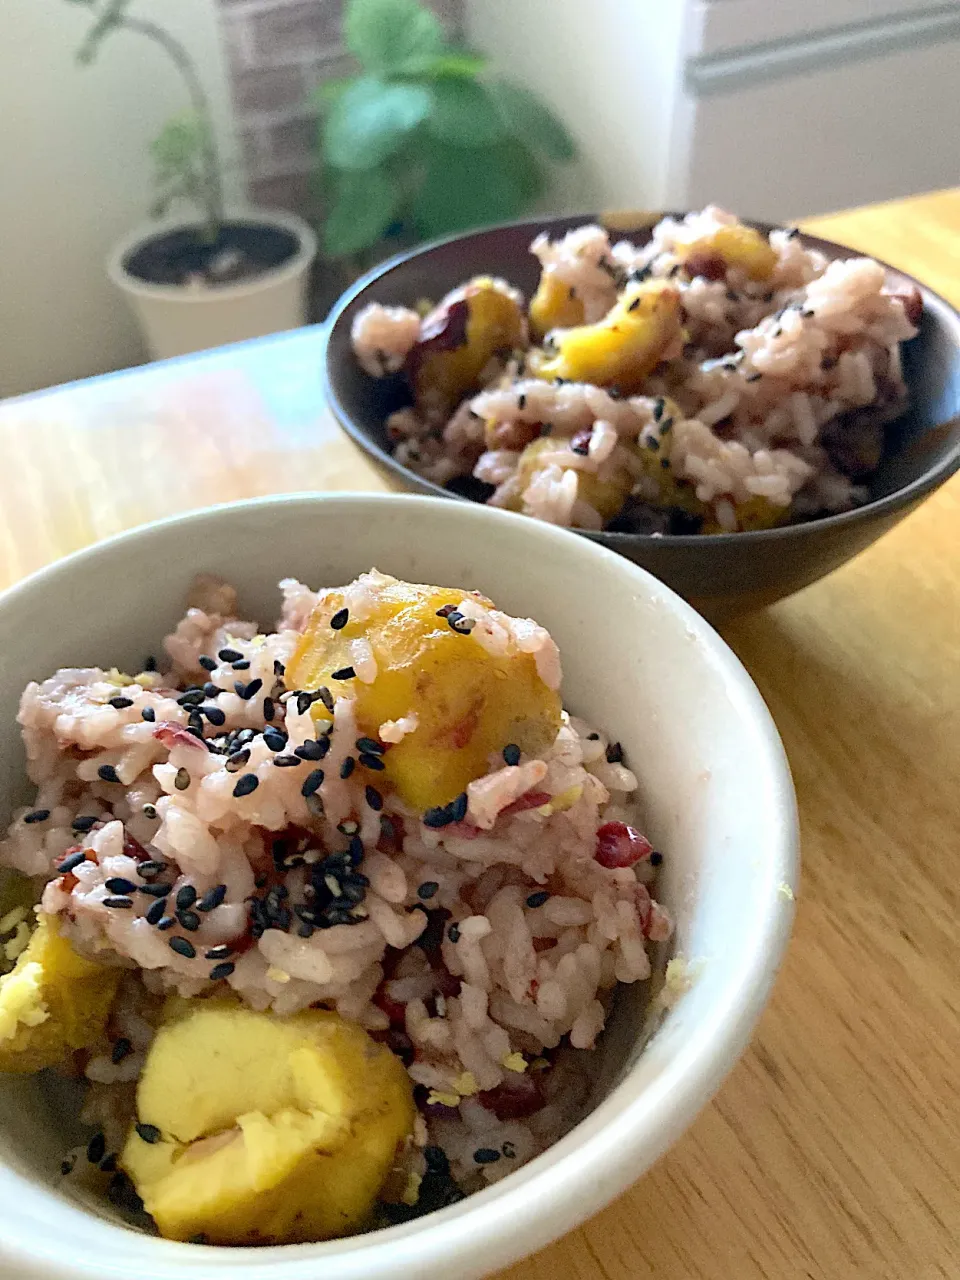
[833, 1149]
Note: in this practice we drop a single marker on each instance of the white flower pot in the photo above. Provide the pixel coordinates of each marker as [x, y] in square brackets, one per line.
[175, 319]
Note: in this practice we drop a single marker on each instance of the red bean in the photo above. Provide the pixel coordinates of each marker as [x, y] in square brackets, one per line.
[621, 846]
[515, 435]
[709, 265]
[516, 1097]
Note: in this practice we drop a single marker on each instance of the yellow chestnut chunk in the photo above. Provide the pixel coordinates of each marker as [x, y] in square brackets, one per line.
[466, 702]
[459, 338]
[731, 246]
[554, 306]
[53, 1002]
[256, 1129]
[624, 347]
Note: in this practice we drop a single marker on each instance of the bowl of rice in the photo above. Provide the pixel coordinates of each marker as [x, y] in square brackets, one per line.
[737, 407]
[387, 882]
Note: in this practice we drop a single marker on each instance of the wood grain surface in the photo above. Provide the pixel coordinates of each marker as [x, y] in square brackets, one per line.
[833, 1150]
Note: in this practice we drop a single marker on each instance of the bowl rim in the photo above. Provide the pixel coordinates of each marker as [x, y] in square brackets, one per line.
[614, 1143]
[905, 496]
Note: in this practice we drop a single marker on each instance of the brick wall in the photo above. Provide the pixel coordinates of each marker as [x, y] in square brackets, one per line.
[277, 51]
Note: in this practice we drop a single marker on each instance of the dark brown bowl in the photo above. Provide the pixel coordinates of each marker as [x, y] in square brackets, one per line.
[719, 573]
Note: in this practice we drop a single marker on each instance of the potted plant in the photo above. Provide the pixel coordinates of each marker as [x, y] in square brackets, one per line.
[212, 277]
[423, 141]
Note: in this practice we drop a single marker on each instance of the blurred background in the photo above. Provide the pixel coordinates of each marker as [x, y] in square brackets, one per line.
[771, 108]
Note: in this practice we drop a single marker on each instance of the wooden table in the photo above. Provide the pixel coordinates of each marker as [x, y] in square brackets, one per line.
[833, 1150]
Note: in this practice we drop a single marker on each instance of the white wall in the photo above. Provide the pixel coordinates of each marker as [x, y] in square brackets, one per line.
[74, 176]
[609, 69]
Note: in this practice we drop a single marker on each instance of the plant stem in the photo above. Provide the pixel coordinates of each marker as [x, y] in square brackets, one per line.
[212, 179]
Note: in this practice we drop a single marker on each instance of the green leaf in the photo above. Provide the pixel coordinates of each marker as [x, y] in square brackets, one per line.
[370, 119]
[387, 34]
[463, 114]
[454, 62]
[528, 119]
[521, 164]
[178, 148]
[363, 208]
[466, 188]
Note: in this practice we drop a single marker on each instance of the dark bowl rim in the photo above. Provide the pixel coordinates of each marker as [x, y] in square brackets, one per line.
[888, 504]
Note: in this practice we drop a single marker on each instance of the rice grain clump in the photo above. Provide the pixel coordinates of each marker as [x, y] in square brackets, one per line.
[711, 380]
[272, 819]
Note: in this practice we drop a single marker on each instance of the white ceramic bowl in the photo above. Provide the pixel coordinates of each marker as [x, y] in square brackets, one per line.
[638, 661]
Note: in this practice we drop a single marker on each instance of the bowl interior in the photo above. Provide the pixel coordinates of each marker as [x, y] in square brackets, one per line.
[916, 443]
[715, 789]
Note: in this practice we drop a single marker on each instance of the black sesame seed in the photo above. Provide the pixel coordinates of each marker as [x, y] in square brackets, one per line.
[440, 816]
[242, 665]
[304, 702]
[269, 709]
[149, 1132]
[148, 714]
[312, 783]
[221, 971]
[96, 1148]
[340, 619]
[66, 1166]
[38, 815]
[212, 898]
[165, 923]
[195, 726]
[509, 1150]
[122, 1048]
[326, 697]
[453, 933]
[117, 884]
[189, 920]
[278, 667]
[149, 663]
[237, 760]
[229, 655]
[372, 762]
[373, 798]
[658, 408]
[656, 859]
[312, 749]
[343, 673]
[118, 904]
[538, 899]
[218, 953]
[511, 753]
[214, 715]
[208, 663]
[427, 890]
[665, 464]
[458, 807]
[84, 823]
[248, 691]
[107, 773]
[153, 866]
[182, 780]
[246, 785]
[274, 739]
[347, 767]
[186, 897]
[486, 1155]
[121, 703]
[70, 861]
[305, 930]
[211, 689]
[156, 912]
[183, 947]
[286, 762]
[355, 851]
[614, 753]
[109, 1163]
[192, 698]
[156, 890]
[370, 747]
